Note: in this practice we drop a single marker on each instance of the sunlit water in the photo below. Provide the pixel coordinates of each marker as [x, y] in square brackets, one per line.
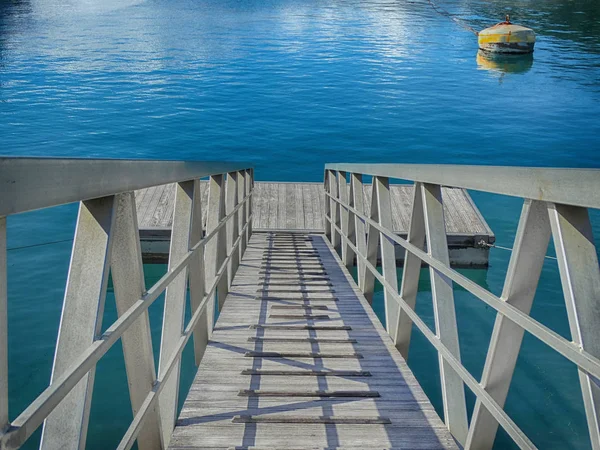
[290, 85]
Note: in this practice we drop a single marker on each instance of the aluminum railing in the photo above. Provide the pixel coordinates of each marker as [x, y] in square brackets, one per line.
[556, 203]
[107, 239]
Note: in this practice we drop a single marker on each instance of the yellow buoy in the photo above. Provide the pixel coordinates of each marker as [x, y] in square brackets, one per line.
[506, 37]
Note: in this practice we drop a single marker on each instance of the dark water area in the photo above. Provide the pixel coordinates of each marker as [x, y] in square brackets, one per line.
[290, 85]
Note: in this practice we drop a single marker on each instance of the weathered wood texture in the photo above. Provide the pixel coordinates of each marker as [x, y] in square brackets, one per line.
[252, 392]
[300, 206]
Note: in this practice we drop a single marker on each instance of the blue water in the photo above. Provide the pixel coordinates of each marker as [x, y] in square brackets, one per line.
[290, 85]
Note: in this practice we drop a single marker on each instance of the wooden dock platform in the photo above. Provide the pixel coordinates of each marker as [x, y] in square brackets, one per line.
[299, 360]
[300, 207]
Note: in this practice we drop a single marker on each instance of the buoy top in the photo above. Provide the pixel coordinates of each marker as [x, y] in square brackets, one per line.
[507, 28]
[506, 37]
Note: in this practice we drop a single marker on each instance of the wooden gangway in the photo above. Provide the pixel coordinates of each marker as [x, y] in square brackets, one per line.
[298, 359]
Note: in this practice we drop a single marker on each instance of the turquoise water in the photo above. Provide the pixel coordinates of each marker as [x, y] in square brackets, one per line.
[291, 85]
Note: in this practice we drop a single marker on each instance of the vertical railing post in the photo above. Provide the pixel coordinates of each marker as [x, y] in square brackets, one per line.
[524, 269]
[368, 279]
[250, 203]
[3, 330]
[174, 310]
[580, 278]
[343, 218]
[338, 211]
[327, 212]
[453, 392]
[214, 254]
[388, 253]
[241, 183]
[232, 226]
[196, 276]
[411, 272]
[334, 210]
[81, 320]
[128, 281]
[381, 212]
[249, 175]
[357, 196]
[349, 254]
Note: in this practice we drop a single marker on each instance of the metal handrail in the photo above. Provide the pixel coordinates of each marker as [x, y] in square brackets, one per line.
[34, 183]
[578, 187]
[569, 350]
[185, 255]
[347, 225]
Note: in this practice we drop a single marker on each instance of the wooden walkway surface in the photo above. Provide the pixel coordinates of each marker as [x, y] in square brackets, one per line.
[300, 206]
[299, 360]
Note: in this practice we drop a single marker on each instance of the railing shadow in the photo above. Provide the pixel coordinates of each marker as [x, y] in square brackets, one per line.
[410, 412]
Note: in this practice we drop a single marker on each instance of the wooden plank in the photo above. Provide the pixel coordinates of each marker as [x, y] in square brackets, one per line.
[162, 206]
[332, 420]
[404, 196]
[292, 278]
[319, 192]
[139, 198]
[154, 204]
[298, 299]
[291, 250]
[307, 207]
[397, 211]
[270, 207]
[292, 255]
[298, 271]
[281, 206]
[273, 199]
[454, 223]
[299, 316]
[295, 256]
[310, 340]
[295, 278]
[300, 355]
[296, 290]
[323, 393]
[308, 373]
[320, 307]
[299, 283]
[142, 206]
[299, 202]
[257, 204]
[291, 206]
[299, 264]
[167, 216]
[302, 327]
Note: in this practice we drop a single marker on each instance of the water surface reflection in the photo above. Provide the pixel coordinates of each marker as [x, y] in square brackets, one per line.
[504, 64]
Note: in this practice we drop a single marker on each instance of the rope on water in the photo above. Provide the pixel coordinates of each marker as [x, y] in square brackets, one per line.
[40, 245]
[485, 244]
[458, 21]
